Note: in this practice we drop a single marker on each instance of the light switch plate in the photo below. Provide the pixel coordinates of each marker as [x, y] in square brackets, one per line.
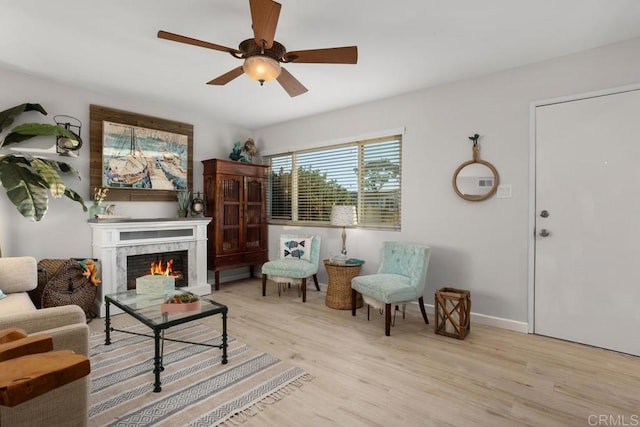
[504, 191]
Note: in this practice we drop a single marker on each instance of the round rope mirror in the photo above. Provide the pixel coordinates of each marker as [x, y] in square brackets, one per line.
[475, 180]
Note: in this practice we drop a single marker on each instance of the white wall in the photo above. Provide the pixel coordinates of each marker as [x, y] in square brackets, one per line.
[480, 246]
[477, 246]
[64, 232]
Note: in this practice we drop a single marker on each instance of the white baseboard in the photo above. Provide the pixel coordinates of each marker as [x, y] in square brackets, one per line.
[481, 319]
[240, 274]
[228, 275]
[498, 322]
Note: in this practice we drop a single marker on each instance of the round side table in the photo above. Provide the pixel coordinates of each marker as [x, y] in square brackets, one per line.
[339, 287]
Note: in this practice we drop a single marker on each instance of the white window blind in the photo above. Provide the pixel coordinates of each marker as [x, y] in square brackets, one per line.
[380, 183]
[280, 189]
[304, 185]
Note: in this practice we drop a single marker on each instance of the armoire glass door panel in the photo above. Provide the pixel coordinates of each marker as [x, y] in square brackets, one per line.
[254, 215]
[231, 189]
[253, 237]
[231, 215]
[231, 239]
[254, 191]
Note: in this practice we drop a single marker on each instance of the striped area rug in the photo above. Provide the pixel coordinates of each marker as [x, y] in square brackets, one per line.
[197, 390]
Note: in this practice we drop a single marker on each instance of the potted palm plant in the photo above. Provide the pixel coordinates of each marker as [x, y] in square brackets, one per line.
[28, 180]
[184, 198]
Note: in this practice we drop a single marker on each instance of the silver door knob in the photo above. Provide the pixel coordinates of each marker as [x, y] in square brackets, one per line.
[544, 232]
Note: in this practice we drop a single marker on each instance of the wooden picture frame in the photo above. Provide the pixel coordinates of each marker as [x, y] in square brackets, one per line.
[103, 117]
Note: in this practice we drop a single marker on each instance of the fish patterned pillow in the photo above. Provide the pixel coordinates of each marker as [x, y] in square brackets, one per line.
[296, 248]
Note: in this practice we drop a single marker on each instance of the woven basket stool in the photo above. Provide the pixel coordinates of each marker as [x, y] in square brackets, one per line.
[60, 282]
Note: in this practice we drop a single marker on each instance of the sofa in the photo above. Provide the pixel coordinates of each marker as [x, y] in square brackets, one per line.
[68, 328]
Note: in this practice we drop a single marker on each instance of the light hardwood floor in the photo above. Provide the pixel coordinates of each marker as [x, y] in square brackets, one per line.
[414, 377]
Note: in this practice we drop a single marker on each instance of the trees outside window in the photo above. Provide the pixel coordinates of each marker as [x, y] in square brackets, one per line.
[303, 186]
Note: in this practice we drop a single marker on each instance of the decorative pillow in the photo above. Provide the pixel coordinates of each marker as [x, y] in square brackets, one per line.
[296, 248]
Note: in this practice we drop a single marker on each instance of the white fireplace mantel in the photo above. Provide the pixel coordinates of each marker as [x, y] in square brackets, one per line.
[115, 239]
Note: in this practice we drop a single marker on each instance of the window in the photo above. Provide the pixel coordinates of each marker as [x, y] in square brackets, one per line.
[303, 185]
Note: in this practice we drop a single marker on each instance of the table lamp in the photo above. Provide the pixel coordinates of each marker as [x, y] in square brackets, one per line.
[343, 216]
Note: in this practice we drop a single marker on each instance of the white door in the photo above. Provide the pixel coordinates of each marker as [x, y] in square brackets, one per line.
[587, 268]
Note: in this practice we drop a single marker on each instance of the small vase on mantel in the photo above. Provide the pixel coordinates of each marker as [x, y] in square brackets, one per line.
[97, 208]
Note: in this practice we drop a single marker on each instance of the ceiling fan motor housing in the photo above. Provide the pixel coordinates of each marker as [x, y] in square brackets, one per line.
[249, 48]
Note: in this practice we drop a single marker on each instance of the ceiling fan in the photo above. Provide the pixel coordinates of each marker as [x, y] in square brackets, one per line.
[262, 55]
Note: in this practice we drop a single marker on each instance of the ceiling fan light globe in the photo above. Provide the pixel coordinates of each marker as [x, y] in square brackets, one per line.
[261, 68]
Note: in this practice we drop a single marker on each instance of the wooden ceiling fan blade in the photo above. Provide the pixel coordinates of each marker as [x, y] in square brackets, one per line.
[227, 77]
[195, 42]
[332, 55]
[290, 83]
[264, 16]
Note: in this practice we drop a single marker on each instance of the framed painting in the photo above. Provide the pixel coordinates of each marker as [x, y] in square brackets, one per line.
[138, 157]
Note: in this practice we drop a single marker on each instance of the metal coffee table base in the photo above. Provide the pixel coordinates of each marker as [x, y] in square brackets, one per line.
[159, 338]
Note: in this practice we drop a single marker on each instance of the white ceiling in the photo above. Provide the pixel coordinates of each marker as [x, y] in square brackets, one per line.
[403, 45]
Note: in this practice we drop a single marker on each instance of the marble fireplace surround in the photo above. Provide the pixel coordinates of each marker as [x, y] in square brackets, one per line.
[115, 239]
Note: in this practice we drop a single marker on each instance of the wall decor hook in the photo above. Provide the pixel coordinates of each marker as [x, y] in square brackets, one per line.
[474, 138]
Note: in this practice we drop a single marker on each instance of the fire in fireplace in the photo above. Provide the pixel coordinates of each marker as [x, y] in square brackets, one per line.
[162, 268]
[167, 263]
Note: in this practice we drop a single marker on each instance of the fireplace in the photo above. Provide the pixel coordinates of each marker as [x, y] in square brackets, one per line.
[116, 241]
[175, 263]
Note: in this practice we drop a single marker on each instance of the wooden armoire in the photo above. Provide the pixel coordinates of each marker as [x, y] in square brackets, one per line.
[236, 199]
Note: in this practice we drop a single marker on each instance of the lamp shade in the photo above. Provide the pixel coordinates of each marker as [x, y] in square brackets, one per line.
[343, 215]
[261, 68]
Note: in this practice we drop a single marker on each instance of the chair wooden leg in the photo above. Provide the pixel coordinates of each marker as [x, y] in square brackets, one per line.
[387, 319]
[315, 280]
[264, 285]
[354, 294]
[424, 312]
[304, 290]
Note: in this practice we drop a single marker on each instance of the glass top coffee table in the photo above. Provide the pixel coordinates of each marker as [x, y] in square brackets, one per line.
[147, 309]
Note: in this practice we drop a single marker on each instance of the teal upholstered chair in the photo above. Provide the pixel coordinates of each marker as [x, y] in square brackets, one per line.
[401, 278]
[298, 259]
